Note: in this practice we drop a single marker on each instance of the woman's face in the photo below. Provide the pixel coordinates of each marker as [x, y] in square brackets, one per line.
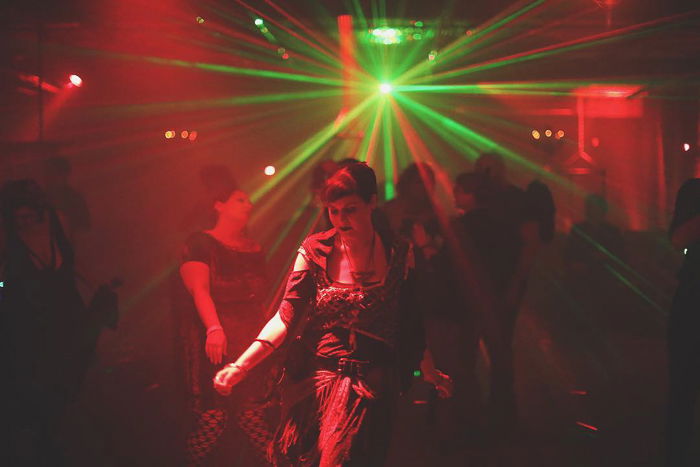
[237, 207]
[352, 216]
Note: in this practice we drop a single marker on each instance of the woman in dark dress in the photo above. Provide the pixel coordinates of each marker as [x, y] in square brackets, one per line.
[48, 336]
[356, 336]
[223, 271]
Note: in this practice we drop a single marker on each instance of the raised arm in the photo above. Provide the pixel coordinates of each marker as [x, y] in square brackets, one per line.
[273, 334]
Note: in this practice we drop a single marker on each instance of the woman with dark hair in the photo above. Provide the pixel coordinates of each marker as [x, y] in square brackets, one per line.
[47, 335]
[223, 272]
[355, 336]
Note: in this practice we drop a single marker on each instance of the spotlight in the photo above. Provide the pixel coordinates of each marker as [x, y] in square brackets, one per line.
[170, 134]
[560, 134]
[270, 170]
[200, 20]
[76, 80]
[686, 147]
[193, 135]
[385, 88]
[259, 22]
[432, 55]
[536, 134]
[548, 133]
[285, 56]
[184, 134]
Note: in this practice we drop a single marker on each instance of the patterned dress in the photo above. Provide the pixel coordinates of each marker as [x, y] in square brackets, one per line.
[352, 348]
[237, 287]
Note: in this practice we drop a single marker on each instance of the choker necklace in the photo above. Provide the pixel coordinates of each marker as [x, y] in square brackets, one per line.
[361, 277]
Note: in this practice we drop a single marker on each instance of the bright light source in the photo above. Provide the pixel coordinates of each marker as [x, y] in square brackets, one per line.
[595, 141]
[200, 20]
[270, 170]
[170, 134]
[432, 55]
[259, 22]
[686, 147]
[193, 135]
[76, 80]
[184, 134]
[385, 88]
[536, 134]
[560, 134]
[285, 56]
[548, 133]
[387, 36]
[419, 24]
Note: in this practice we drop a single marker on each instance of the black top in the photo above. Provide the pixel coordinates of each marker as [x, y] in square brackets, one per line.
[687, 207]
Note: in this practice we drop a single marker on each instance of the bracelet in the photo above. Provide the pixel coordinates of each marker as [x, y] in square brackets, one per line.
[265, 342]
[215, 327]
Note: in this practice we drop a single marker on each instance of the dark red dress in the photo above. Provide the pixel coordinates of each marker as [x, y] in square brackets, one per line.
[237, 287]
[347, 362]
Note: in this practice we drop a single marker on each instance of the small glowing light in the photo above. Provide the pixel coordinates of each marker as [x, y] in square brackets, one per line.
[595, 141]
[193, 135]
[285, 56]
[469, 32]
[416, 373]
[548, 133]
[419, 24]
[76, 80]
[418, 37]
[586, 425]
[259, 22]
[184, 134]
[200, 20]
[432, 55]
[685, 251]
[560, 134]
[536, 134]
[385, 88]
[281, 50]
[170, 134]
[264, 30]
[270, 170]
[2, 284]
[686, 147]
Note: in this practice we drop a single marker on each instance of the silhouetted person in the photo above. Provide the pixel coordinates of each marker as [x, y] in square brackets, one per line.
[511, 209]
[684, 327]
[47, 334]
[594, 242]
[65, 199]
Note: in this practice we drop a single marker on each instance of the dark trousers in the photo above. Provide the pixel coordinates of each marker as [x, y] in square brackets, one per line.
[684, 372]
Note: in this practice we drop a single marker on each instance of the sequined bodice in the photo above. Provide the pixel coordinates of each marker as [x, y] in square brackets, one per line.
[368, 310]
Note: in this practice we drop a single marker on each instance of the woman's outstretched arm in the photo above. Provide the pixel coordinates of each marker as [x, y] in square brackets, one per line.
[273, 333]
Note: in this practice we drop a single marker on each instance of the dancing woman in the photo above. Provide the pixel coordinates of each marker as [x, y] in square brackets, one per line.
[355, 335]
[223, 271]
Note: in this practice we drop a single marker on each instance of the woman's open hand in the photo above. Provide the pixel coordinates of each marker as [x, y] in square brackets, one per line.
[216, 346]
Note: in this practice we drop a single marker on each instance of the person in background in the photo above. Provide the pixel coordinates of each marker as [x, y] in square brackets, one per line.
[684, 327]
[223, 272]
[512, 210]
[47, 335]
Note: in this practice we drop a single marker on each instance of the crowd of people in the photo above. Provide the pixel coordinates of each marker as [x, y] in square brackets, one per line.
[378, 293]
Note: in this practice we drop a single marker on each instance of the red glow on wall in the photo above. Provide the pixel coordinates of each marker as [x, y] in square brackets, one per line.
[614, 101]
